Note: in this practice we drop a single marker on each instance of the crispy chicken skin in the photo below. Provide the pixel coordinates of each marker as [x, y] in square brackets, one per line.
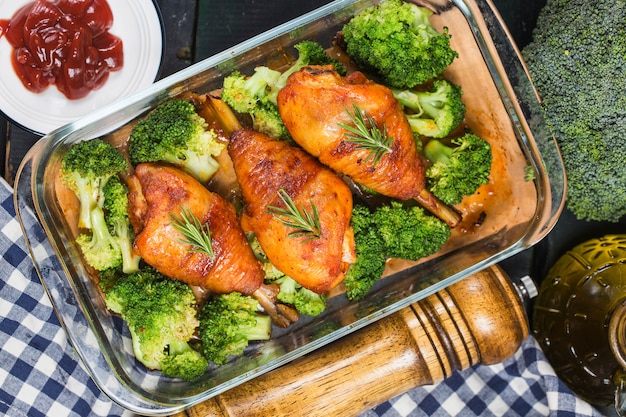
[164, 191]
[263, 167]
[313, 105]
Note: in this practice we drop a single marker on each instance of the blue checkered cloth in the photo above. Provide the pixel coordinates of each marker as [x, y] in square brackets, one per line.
[40, 375]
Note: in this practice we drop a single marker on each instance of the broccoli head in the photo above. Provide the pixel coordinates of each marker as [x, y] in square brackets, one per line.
[396, 41]
[435, 113]
[161, 314]
[408, 232]
[250, 95]
[116, 217]
[256, 95]
[576, 61]
[228, 322]
[370, 254]
[175, 133]
[85, 169]
[458, 169]
[389, 231]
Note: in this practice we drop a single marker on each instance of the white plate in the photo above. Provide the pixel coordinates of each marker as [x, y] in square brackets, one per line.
[136, 22]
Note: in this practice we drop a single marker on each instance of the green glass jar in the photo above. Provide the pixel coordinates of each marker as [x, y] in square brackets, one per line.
[580, 319]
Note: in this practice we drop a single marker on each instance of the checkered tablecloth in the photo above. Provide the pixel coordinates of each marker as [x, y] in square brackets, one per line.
[40, 375]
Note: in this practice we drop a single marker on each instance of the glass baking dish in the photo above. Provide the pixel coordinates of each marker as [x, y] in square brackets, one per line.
[514, 211]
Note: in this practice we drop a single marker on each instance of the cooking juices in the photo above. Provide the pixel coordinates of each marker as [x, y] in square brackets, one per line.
[63, 42]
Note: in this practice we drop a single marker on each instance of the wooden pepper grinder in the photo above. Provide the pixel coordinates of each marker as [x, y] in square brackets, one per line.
[480, 319]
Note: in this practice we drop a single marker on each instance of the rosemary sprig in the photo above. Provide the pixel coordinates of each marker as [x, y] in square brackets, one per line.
[306, 223]
[194, 232]
[367, 135]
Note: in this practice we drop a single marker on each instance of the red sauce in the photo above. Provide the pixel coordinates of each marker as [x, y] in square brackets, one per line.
[63, 42]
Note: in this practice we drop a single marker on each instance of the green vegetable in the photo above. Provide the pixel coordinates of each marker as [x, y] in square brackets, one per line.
[161, 314]
[228, 322]
[304, 300]
[458, 169]
[256, 95]
[174, 132]
[390, 231]
[435, 113]
[576, 60]
[116, 217]
[396, 41]
[85, 169]
[370, 254]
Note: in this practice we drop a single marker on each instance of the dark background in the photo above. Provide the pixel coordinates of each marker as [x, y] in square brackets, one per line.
[194, 30]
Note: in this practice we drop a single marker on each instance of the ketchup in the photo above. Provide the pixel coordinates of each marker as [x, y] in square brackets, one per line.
[63, 42]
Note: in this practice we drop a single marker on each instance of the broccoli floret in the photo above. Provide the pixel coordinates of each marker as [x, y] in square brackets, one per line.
[175, 133]
[309, 53]
[457, 170]
[370, 254]
[389, 231]
[228, 322]
[256, 95]
[304, 300]
[161, 314]
[576, 61]
[116, 217]
[85, 169]
[435, 113]
[408, 232]
[396, 41]
[250, 95]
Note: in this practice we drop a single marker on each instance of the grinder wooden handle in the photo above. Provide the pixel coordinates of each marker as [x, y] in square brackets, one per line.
[480, 319]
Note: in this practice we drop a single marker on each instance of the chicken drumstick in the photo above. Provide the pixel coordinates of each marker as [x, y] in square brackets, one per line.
[317, 104]
[317, 259]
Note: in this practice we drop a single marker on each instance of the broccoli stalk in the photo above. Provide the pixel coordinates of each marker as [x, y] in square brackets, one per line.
[396, 41]
[435, 113]
[256, 95]
[86, 168]
[116, 216]
[161, 316]
[98, 247]
[175, 133]
[457, 171]
[390, 231]
[228, 322]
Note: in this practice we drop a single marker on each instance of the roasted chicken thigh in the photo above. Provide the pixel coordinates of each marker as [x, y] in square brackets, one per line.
[316, 106]
[319, 259]
[167, 190]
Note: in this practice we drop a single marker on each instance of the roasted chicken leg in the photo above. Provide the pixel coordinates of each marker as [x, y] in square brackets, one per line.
[315, 106]
[165, 191]
[317, 260]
